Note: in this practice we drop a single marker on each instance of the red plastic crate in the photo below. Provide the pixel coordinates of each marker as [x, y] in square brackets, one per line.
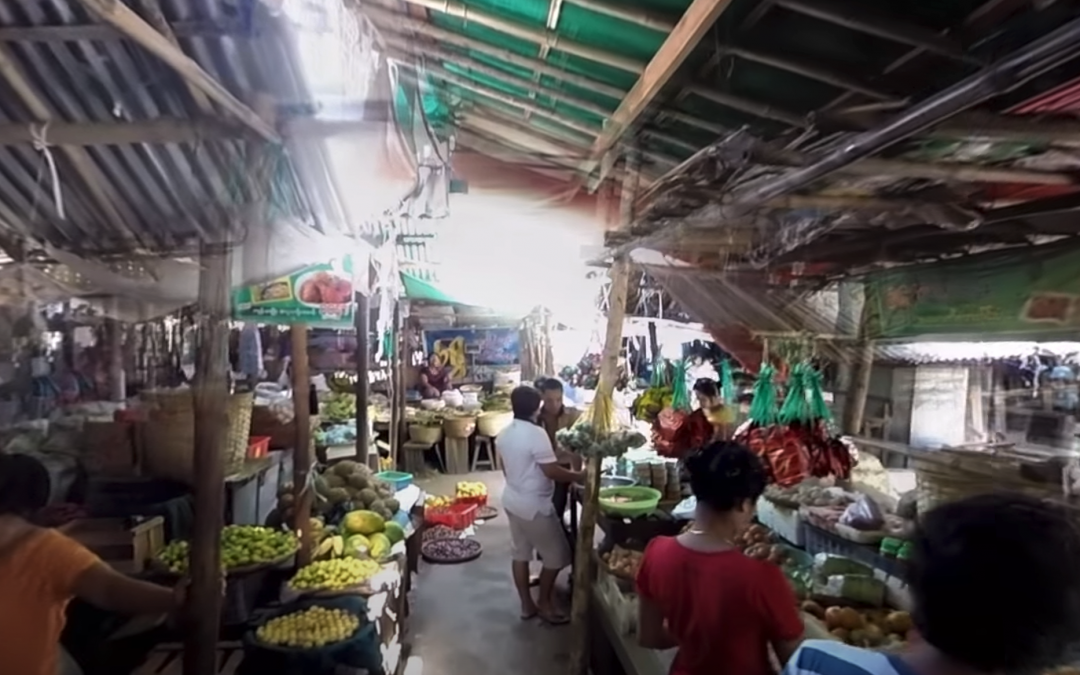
[479, 501]
[455, 516]
[258, 446]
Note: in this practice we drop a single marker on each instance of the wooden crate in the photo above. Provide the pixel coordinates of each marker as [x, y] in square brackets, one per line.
[125, 549]
[167, 659]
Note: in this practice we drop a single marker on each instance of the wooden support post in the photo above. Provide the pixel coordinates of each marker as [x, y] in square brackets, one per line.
[605, 388]
[302, 459]
[855, 401]
[397, 392]
[211, 425]
[363, 384]
[114, 337]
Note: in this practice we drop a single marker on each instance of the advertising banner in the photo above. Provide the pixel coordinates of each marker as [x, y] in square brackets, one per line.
[317, 294]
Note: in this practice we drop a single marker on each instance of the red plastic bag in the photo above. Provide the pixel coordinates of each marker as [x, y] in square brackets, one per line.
[666, 429]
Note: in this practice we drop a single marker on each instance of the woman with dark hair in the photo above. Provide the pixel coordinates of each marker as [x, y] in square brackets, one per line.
[434, 377]
[700, 593]
[42, 570]
[712, 417]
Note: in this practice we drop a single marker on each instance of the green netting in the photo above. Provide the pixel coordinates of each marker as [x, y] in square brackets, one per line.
[763, 405]
[680, 393]
[727, 383]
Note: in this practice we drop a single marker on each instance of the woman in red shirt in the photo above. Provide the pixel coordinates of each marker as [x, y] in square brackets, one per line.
[700, 593]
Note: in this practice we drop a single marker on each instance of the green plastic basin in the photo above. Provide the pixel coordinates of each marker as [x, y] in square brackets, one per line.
[643, 500]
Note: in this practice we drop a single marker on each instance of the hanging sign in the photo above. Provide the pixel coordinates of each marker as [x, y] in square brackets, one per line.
[317, 294]
[1018, 293]
[474, 353]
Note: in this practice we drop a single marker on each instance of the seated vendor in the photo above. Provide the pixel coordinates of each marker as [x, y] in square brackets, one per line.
[41, 571]
[434, 378]
[712, 408]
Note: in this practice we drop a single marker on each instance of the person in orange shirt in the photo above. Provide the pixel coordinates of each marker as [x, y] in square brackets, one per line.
[41, 571]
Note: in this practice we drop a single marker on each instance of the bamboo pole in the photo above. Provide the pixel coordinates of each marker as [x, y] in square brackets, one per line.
[363, 384]
[605, 388]
[855, 401]
[302, 459]
[211, 423]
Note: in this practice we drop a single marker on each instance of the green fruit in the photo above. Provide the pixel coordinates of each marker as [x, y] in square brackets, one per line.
[392, 505]
[357, 481]
[363, 522]
[334, 481]
[394, 532]
[338, 495]
[368, 496]
[357, 544]
[380, 546]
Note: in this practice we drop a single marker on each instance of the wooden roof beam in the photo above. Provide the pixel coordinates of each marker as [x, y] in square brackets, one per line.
[697, 19]
[101, 192]
[125, 20]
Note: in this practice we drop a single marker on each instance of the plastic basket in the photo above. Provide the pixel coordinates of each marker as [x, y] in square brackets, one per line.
[645, 501]
[418, 433]
[258, 446]
[456, 516]
[397, 479]
[817, 540]
[459, 427]
[479, 500]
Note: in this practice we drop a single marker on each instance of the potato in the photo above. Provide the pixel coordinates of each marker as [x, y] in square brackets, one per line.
[840, 634]
[858, 638]
[777, 554]
[851, 619]
[898, 622]
[874, 635]
[834, 618]
[812, 608]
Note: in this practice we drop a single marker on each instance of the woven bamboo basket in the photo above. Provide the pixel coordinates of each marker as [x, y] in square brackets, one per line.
[459, 427]
[492, 423]
[169, 435]
[418, 433]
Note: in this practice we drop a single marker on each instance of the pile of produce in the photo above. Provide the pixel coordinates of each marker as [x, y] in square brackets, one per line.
[808, 493]
[868, 628]
[471, 490]
[795, 442]
[342, 382]
[623, 562]
[497, 402]
[351, 485]
[332, 575]
[449, 551]
[368, 534]
[675, 431]
[585, 439]
[309, 628]
[437, 501]
[439, 532]
[241, 546]
[337, 434]
[338, 407]
[658, 396]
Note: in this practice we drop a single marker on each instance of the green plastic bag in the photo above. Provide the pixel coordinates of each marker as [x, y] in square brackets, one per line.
[680, 395]
[763, 405]
[727, 383]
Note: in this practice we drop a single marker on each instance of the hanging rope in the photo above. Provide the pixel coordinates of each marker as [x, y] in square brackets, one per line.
[39, 137]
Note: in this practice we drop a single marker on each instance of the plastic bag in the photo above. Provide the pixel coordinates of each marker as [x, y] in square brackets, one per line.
[863, 514]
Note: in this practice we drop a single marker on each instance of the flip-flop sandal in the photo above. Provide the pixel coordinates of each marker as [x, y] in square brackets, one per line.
[557, 620]
[529, 617]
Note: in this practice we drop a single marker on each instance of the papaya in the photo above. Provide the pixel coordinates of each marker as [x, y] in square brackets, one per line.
[363, 522]
[380, 546]
[394, 532]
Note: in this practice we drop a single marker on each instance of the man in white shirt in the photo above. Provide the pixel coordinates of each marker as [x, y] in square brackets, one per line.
[531, 467]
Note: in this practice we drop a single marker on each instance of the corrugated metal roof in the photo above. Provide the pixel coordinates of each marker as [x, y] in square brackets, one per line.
[927, 353]
[167, 196]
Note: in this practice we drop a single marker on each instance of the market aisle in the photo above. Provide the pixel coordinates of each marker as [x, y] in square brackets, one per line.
[465, 617]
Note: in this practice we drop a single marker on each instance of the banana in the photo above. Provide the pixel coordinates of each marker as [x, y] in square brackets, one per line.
[338, 544]
[324, 549]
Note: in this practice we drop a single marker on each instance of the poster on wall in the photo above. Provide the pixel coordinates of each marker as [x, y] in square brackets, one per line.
[317, 294]
[474, 353]
[1031, 293]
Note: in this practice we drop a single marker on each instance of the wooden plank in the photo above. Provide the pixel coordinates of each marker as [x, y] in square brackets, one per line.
[121, 17]
[697, 19]
[156, 18]
[99, 32]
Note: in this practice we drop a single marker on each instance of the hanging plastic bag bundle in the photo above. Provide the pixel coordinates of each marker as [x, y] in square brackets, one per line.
[675, 430]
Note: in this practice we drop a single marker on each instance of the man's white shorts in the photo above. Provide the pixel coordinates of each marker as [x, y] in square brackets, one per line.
[544, 535]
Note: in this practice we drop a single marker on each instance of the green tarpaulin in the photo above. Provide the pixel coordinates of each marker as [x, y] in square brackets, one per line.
[1030, 293]
[418, 289]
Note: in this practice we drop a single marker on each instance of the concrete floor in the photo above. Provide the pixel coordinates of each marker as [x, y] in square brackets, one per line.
[465, 618]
